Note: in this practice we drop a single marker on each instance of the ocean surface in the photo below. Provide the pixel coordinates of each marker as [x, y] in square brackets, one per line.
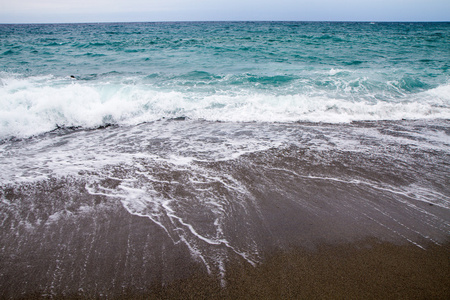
[130, 150]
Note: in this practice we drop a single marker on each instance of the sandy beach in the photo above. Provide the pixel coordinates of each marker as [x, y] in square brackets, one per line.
[291, 226]
[364, 270]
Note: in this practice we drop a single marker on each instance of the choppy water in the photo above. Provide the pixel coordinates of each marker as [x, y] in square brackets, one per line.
[129, 151]
[275, 72]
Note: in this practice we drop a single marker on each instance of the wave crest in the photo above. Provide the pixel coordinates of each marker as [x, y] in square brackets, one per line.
[36, 105]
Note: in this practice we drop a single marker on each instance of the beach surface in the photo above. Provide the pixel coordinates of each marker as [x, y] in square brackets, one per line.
[359, 216]
[364, 270]
[111, 254]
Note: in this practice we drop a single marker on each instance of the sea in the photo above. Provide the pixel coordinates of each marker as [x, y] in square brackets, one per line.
[130, 152]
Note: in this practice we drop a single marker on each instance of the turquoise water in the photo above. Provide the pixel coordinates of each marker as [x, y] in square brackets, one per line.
[89, 75]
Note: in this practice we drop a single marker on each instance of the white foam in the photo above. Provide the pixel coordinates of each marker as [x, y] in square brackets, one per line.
[36, 105]
[440, 94]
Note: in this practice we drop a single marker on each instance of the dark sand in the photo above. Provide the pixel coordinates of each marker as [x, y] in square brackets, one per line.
[107, 253]
[366, 270]
[363, 270]
[319, 223]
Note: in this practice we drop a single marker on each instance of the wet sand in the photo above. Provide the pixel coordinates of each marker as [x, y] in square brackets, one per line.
[365, 270]
[284, 223]
[130, 260]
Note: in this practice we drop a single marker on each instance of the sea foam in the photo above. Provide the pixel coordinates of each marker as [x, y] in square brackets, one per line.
[36, 105]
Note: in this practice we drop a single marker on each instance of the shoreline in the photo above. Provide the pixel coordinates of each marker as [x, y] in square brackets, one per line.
[339, 211]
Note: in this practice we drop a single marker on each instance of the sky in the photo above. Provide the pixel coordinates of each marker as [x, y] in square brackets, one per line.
[75, 11]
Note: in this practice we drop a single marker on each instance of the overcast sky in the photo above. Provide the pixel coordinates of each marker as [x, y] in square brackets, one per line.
[68, 11]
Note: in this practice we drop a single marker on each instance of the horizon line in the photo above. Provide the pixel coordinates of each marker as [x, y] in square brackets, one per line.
[213, 21]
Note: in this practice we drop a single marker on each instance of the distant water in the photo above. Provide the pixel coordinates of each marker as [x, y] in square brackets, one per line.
[265, 72]
[130, 151]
